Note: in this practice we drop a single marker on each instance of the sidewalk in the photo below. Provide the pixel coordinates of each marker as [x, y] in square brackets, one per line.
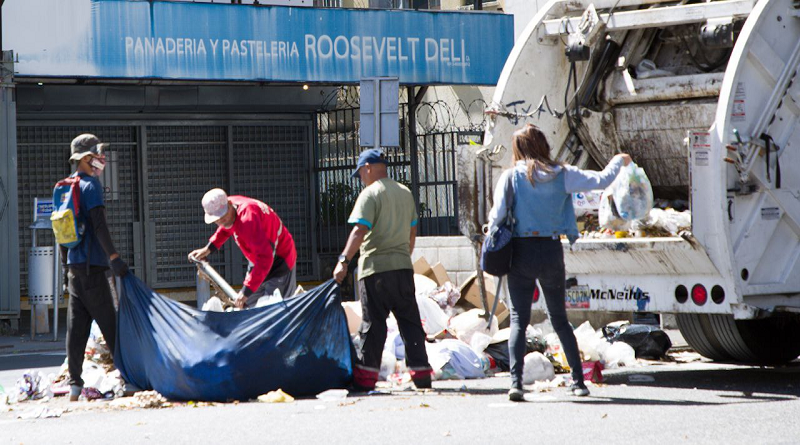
[21, 343]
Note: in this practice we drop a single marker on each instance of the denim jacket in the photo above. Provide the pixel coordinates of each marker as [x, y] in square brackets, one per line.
[545, 210]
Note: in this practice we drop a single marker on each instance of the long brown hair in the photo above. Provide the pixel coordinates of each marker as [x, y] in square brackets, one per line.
[530, 145]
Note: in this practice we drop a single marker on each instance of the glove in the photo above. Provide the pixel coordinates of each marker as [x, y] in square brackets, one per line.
[119, 267]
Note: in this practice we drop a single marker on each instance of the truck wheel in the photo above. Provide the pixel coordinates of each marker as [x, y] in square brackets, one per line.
[772, 340]
[698, 332]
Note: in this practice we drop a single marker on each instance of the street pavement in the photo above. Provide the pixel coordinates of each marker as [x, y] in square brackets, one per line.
[689, 401]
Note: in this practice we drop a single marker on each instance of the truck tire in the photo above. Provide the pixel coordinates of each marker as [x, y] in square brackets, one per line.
[768, 341]
[698, 332]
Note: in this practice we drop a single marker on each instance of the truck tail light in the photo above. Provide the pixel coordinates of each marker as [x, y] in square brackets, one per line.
[699, 294]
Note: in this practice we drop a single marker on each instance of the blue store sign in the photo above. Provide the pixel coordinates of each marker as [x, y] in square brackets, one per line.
[203, 41]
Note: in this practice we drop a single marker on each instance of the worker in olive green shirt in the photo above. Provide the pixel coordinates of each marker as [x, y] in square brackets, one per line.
[384, 219]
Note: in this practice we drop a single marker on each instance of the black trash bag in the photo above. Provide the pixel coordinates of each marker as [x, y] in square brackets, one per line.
[648, 342]
[499, 352]
[301, 345]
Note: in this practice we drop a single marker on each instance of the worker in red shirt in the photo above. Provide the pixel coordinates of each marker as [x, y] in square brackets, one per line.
[261, 236]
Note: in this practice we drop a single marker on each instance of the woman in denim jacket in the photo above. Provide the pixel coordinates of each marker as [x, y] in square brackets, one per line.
[543, 211]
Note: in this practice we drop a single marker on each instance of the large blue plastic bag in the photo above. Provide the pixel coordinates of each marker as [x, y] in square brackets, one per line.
[301, 346]
[631, 196]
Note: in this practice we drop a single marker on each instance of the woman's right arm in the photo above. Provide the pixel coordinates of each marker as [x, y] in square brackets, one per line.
[578, 180]
[499, 210]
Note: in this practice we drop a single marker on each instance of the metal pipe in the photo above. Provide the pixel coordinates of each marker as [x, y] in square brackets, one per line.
[214, 276]
[412, 139]
[57, 292]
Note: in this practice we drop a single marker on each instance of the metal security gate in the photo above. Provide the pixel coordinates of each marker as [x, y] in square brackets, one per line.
[437, 184]
[336, 156]
[157, 174]
[267, 161]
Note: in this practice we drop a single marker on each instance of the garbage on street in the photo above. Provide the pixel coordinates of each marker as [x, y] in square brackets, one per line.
[462, 345]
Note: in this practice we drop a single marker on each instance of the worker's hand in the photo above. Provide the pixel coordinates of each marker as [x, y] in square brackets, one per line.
[241, 300]
[119, 267]
[340, 272]
[199, 254]
[626, 158]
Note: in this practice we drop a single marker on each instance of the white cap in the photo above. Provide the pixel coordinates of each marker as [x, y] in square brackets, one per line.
[215, 204]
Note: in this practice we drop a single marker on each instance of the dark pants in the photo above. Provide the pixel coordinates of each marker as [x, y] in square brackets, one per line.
[386, 292]
[89, 299]
[538, 259]
[286, 283]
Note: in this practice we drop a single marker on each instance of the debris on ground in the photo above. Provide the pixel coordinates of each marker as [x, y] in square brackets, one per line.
[41, 412]
[277, 396]
[537, 368]
[148, 399]
[333, 395]
[33, 385]
[647, 341]
[101, 380]
[454, 359]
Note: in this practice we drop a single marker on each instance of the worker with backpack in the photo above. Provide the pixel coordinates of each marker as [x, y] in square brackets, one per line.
[81, 229]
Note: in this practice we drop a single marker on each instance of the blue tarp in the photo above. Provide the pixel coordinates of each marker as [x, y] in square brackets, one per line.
[300, 345]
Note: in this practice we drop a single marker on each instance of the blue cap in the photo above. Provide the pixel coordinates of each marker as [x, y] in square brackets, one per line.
[371, 156]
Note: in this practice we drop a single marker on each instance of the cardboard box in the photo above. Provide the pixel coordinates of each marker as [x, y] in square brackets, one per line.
[471, 295]
[439, 274]
[352, 310]
[421, 266]
[436, 273]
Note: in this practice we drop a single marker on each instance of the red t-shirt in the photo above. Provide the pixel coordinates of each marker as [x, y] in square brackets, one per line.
[256, 230]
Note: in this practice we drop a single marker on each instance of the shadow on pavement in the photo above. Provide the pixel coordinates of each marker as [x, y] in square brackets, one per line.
[31, 360]
[766, 383]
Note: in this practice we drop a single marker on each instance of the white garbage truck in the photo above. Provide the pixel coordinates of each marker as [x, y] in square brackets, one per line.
[705, 97]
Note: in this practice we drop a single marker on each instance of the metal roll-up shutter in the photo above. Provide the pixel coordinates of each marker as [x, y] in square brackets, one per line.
[272, 163]
[183, 163]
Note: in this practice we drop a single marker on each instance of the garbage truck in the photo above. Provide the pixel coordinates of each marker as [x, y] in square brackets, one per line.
[705, 97]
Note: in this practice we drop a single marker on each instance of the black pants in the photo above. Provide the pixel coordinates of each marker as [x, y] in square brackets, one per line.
[539, 259]
[89, 299]
[391, 291]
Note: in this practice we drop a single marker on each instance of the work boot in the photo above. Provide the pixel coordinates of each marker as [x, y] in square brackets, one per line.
[75, 393]
[423, 382]
[579, 389]
[355, 388]
[516, 394]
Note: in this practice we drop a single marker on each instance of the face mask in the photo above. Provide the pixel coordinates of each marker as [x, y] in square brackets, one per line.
[97, 166]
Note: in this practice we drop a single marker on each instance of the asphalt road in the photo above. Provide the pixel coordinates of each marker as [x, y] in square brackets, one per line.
[698, 402]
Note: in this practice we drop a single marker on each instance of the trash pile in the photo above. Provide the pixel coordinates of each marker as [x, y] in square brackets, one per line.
[101, 380]
[464, 344]
[627, 209]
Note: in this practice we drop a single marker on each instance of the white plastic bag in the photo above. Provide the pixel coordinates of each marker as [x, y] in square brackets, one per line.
[537, 368]
[453, 359]
[433, 318]
[467, 324]
[268, 300]
[619, 354]
[632, 192]
[665, 220]
[214, 304]
[588, 341]
[480, 342]
[607, 217]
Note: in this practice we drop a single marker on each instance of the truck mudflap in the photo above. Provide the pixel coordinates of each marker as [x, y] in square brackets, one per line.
[643, 275]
